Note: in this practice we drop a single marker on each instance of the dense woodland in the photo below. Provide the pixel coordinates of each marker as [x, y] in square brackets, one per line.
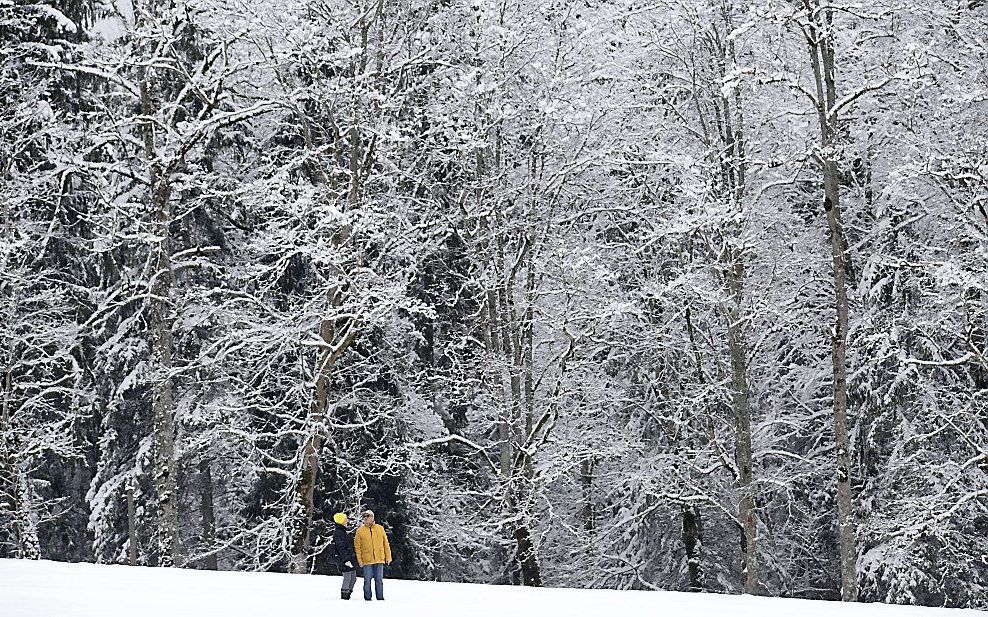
[653, 294]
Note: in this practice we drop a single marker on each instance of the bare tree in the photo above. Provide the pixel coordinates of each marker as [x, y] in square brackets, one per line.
[815, 22]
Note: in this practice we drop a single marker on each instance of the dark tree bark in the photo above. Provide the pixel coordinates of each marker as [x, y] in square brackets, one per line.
[531, 576]
[208, 514]
[586, 479]
[131, 527]
[693, 541]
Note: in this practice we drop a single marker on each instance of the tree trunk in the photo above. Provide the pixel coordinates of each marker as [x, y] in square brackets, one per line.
[504, 421]
[305, 491]
[728, 151]
[528, 342]
[527, 559]
[164, 412]
[163, 278]
[518, 340]
[310, 452]
[586, 479]
[208, 514]
[131, 526]
[693, 541]
[8, 475]
[28, 544]
[14, 490]
[512, 358]
[742, 433]
[820, 45]
[845, 516]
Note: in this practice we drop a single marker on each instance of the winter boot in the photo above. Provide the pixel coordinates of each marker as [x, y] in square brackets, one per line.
[345, 595]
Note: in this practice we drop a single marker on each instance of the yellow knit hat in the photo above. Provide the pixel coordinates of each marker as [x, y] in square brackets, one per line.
[339, 518]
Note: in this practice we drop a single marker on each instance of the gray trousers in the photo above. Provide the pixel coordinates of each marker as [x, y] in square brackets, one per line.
[349, 580]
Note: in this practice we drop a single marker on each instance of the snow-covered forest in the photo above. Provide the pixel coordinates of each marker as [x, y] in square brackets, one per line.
[652, 294]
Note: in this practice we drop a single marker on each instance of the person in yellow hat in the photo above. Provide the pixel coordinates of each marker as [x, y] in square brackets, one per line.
[346, 558]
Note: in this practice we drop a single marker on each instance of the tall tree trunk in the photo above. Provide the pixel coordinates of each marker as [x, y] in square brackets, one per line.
[163, 278]
[8, 475]
[515, 336]
[311, 450]
[724, 135]
[742, 429]
[528, 362]
[734, 180]
[524, 355]
[820, 45]
[498, 340]
[208, 514]
[507, 336]
[360, 158]
[15, 507]
[845, 516]
[510, 431]
[692, 518]
[131, 526]
[504, 419]
[164, 412]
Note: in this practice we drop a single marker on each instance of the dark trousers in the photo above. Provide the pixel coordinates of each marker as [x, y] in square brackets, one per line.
[374, 571]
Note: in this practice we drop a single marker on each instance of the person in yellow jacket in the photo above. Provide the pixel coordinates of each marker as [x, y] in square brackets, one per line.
[373, 553]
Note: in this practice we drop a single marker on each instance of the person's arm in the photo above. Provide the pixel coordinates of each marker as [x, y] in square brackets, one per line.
[345, 552]
[356, 547]
[387, 547]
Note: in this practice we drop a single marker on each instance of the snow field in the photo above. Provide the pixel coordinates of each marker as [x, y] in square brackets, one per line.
[52, 589]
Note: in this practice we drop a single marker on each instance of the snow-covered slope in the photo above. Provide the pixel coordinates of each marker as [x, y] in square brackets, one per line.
[50, 589]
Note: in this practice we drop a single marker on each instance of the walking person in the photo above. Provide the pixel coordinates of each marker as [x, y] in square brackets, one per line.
[346, 559]
[373, 553]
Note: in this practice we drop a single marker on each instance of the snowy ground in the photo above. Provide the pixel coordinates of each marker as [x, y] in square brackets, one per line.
[50, 589]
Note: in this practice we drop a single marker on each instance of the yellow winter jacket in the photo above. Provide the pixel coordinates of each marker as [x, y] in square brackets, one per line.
[371, 545]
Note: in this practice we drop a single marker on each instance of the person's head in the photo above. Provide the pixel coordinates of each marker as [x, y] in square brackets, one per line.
[368, 517]
[339, 518]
